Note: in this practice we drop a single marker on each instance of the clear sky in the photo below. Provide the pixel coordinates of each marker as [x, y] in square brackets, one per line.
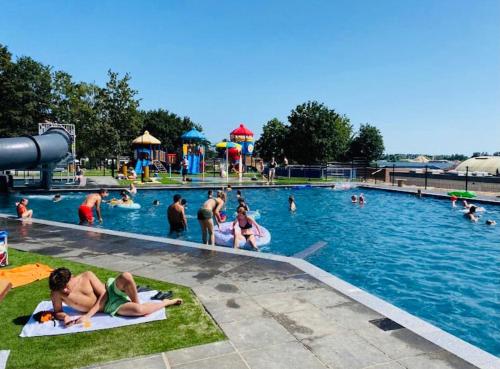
[426, 72]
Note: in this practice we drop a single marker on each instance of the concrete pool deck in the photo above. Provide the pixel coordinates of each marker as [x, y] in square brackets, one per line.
[277, 312]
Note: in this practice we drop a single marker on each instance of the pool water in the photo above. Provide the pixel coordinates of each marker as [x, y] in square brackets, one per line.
[418, 254]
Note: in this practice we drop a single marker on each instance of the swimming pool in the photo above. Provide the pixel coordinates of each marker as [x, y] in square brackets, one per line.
[418, 254]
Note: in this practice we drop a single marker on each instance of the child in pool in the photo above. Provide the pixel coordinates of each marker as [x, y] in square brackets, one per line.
[354, 199]
[291, 204]
[57, 197]
[362, 199]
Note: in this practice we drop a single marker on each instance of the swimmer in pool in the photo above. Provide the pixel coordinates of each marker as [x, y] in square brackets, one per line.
[471, 214]
[354, 199]
[57, 197]
[468, 206]
[243, 204]
[156, 202]
[291, 204]
[132, 189]
[243, 229]
[362, 199]
[238, 194]
[491, 222]
[210, 194]
[453, 201]
[419, 193]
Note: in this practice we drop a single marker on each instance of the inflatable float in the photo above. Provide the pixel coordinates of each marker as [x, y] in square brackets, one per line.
[130, 206]
[224, 237]
[463, 194]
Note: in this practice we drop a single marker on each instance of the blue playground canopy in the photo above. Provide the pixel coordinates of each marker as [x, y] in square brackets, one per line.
[193, 135]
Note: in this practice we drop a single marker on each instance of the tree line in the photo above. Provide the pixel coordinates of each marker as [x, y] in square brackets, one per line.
[316, 134]
[106, 118]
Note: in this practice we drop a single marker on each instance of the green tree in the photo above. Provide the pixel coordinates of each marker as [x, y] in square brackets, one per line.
[368, 143]
[118, 118]
[25, 94]
[272, 141]
[317, 134]
[167, 127]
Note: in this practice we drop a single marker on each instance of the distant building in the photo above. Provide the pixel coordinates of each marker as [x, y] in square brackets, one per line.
[488, 164]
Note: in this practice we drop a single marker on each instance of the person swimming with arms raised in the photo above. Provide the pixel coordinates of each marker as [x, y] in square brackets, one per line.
[243, 229]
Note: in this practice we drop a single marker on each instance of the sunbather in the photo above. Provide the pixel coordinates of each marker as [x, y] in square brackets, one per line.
[86, 293]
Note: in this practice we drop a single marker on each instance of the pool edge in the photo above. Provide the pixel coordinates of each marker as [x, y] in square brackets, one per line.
[458, 347]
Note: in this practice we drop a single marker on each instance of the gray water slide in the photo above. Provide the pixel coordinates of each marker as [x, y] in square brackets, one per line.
[29, 152]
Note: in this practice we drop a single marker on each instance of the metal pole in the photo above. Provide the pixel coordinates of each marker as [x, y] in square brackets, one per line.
[393, 173]
[466, 178]
[376, 171]
[113, 167]
[426, 167]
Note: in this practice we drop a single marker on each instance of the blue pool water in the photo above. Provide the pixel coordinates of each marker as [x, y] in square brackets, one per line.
[418, 254]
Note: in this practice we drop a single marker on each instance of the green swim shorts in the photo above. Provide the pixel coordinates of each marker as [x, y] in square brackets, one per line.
[116, 298]
[204, 214]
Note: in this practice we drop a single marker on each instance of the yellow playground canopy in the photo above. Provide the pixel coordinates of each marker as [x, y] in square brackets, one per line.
[146, 139]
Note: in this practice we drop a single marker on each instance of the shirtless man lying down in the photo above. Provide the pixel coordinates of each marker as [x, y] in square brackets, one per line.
[86, 293]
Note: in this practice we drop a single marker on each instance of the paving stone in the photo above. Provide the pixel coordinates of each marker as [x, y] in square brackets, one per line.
[290, 355]
[267, 284]
[112, 262]
[284, 302]
[231, 361]
[346, 350]
[256, 332]
[197, 353]
[223, 290]
[352, 315]
[436, 360]
[233, 309]
[151, 362]
[308, 323]
[399, 343]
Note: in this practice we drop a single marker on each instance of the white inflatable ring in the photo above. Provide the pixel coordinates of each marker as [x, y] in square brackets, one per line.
[134, 206]
[224, 236]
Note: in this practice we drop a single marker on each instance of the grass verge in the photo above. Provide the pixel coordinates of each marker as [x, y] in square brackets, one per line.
[186, 325]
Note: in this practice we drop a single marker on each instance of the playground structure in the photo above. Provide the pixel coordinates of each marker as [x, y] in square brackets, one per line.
[147, 153]
[244, 137]
[54, 144]
[193, 149]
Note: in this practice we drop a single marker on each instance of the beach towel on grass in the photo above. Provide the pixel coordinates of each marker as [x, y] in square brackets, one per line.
[25, 274]
[4, 355]
[98, 321]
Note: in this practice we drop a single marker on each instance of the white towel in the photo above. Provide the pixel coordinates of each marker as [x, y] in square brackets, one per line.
[4, 355]
[98, 321]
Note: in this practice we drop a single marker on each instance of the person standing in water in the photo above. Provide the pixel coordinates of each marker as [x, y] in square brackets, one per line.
[211, 208]
[176, 215]
[291, 204]
[471, 214]
[132, 189]
[354, 199]
[85, 212]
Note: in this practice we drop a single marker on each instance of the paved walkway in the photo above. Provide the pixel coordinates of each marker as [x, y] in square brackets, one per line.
[274, 315]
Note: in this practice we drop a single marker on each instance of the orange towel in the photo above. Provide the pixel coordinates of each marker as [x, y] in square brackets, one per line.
[25, 274]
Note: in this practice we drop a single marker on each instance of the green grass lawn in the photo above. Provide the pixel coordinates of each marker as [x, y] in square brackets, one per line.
[186, 325]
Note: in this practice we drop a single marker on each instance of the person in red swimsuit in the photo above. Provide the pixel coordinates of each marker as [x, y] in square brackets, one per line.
[22, 210]
[85, 212]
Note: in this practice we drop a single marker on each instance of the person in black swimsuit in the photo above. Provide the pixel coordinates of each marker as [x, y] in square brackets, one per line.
[243, 229]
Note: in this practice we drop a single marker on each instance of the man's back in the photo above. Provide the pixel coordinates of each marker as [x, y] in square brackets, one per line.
[174, 213]
[82, 295]
[92, 200]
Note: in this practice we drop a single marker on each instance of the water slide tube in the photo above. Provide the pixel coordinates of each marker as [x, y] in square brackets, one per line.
[28, 152]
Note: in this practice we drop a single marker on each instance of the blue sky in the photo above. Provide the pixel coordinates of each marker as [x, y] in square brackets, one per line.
[425, 72]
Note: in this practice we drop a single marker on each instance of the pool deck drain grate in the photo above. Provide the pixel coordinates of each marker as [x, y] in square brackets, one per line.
[386, 324]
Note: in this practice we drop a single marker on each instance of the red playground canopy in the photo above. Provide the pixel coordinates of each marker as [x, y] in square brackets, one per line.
[242, 131]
